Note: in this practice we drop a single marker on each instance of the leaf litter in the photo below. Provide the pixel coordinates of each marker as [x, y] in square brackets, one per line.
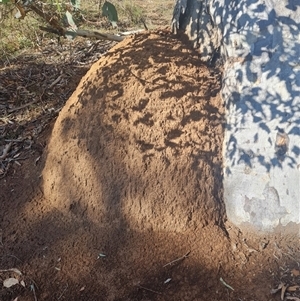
[289, 287]
[33, 89]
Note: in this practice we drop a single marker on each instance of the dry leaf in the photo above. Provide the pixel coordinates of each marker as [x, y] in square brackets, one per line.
[295, 272]
[16, 271]
[227, 285]
[37, 160]
[293, 298]
[293, 288]
[10, 282]
[22, 282]
[82, 289]
[18, 163]
[283, 291]
[279, 287]
[12, 270]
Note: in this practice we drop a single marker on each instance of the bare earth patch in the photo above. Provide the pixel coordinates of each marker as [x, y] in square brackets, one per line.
[126, 200]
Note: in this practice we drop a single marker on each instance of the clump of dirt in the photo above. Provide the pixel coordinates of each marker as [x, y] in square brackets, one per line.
[126, 202]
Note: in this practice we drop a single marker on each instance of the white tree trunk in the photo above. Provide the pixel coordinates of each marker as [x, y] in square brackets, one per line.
[193, 18]
[260, 46]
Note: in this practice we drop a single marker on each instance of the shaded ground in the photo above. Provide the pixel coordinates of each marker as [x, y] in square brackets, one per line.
[126, 200]
[33, 89]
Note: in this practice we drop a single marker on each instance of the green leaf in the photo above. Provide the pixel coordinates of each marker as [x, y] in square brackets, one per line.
[110, 12]
[68, 19]
[4, 1]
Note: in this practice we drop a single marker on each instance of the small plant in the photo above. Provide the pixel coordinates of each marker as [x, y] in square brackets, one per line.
[62, 17]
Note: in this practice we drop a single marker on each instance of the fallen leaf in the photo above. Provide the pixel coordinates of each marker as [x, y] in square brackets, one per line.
[293, 288]
[227, 285]
[82, 289]
[16, 271]
[22, 282]
[279, 287]
[167, 281]
[12, 270]
[18, 163]
[295, 272]
[101, 255]
[283, 291]
[293, 298]
[10, 282]
[37, 160]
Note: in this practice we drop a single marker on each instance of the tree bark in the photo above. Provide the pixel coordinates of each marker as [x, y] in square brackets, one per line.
[260, 47]
[193, 18]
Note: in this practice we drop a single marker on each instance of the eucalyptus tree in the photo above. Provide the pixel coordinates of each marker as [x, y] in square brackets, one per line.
[258, 43]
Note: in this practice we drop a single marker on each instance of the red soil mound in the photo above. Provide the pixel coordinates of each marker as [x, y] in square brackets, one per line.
[137, 148]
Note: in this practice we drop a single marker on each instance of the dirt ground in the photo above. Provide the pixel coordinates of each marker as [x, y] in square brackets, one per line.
[125, 202]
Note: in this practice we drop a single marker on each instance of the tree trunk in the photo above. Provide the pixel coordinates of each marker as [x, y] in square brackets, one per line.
[260, 47]
[194, 19]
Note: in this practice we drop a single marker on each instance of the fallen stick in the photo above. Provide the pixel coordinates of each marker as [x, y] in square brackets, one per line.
[55, 82]
[5, 151]
[225, 284]
[178, 259]
[22, 107]
[149, 289]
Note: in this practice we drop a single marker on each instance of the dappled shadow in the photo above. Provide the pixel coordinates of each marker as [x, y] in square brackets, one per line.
[119, 204]
[259, 45]
[261, 86]
[130, 166]
[263, 90]
[261, 81]
[127, 112]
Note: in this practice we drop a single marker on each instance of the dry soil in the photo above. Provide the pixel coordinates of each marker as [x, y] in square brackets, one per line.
[126, 202]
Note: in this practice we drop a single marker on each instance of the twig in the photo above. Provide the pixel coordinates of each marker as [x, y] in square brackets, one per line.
[5, 151]
[55, 82]
[227, 285]
[128, 33]
[22, 107]
[17, 159]
[12, 270]
[144, 23]
[150, 290]
[84, 33]
[14, 140]
[13, 256]
[96, 34]
[33, 290]
[63, 292]
[178, 259]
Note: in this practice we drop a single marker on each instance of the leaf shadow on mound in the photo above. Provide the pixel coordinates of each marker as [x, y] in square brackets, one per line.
[102, 177]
